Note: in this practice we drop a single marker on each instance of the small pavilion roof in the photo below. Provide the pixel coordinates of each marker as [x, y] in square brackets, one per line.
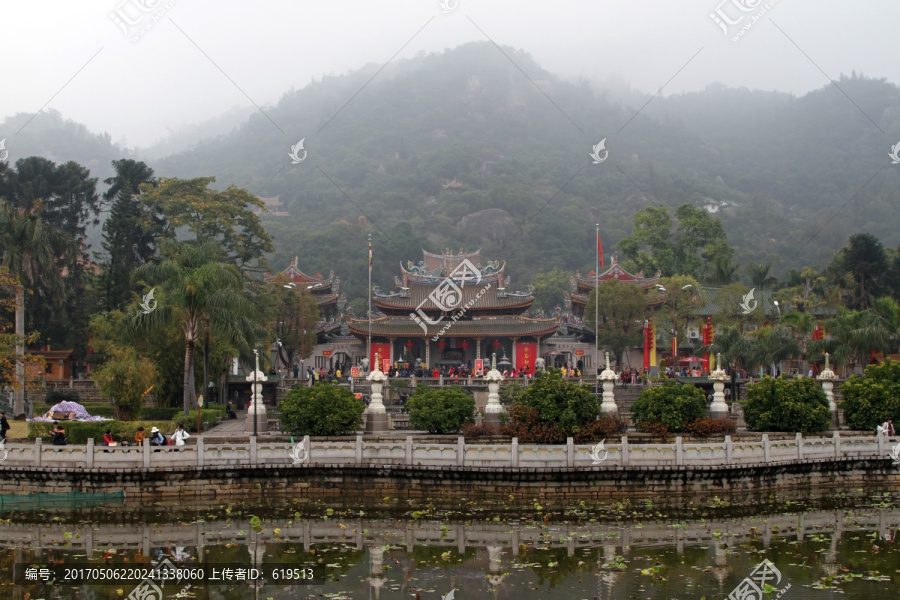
[615, 271]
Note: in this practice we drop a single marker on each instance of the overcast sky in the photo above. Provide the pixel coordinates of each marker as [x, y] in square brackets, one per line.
[202, 57]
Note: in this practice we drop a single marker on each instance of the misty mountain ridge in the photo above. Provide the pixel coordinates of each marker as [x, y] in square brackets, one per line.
[774, 167]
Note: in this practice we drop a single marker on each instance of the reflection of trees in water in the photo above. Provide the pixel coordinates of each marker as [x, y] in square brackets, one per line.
[554, 565]
[328, 561]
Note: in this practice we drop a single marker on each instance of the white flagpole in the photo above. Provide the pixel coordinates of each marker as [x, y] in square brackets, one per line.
[369, 343]
[597, 311]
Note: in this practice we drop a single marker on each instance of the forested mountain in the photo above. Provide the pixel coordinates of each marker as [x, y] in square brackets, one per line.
[49, 135]
[784, 173]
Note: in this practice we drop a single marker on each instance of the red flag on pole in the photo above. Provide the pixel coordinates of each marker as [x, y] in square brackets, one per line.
[599, 250]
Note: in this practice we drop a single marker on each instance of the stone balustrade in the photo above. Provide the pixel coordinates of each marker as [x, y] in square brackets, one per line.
[412, 453]
[90, 537]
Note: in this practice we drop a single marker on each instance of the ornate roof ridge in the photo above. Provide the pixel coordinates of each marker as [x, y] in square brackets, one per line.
[463, 253]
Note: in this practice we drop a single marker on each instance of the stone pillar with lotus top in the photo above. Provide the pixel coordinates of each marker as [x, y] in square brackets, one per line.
[493, 409]
[719, 408]
[608, 377]
[827, 377]
[376, 415]
[256, 412]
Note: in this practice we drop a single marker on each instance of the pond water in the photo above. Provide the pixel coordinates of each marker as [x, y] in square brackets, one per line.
[682, 548]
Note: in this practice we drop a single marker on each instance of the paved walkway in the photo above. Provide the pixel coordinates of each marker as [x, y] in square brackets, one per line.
[231, 428]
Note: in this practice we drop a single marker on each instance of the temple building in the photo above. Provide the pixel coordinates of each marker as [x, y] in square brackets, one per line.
[452, 308]
[334, 346]
[582, 286]
[326, 290]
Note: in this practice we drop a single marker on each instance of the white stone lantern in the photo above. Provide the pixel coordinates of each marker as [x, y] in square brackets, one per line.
[827, 377]
[608, 377]
[493, 409]
[718, 409]
[376, 415]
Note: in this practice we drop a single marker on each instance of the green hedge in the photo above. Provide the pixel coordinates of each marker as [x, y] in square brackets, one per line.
[672, 406]
[873, 398]
[61, 395]
[207, 415]
[79, 432]
[792, 405]
[165, 413]
[321, 410]
[440, 410]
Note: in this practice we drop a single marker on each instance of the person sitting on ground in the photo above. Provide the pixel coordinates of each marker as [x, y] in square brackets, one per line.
[180, 435]
[156, 437]
[124, 442]
[229, 411]
[59, 435]
[108, 439]
[140, 436]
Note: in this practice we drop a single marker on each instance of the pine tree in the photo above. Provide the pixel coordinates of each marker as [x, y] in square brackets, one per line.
[127, 239]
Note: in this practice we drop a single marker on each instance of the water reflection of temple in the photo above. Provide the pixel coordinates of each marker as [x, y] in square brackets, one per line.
[490, 559]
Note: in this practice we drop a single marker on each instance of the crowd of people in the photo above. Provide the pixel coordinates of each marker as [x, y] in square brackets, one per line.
[58, 437]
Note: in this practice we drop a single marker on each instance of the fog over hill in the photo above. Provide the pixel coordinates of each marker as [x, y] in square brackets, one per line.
[785, 174]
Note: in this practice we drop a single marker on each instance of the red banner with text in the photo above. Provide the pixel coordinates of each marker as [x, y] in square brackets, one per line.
[383, 350]
[526, 352]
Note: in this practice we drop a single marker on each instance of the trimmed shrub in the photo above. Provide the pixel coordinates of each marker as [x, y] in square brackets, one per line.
[100, 410]
[525, 423]
[61, 395]
[792, 405]
[606, 427]
[708, 427]
[207, 415]
[78, 432]
[656, 428]
[873, 398]
[559, 402]
[323, 409]
[510, 393]
[471, 431]
[440, 410]
[672, 405]
[166, 413]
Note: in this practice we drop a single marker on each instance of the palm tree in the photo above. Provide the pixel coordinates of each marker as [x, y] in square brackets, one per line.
[203, 295]
[735, 349]
[723, 272]
[886, 316]
[852, 335]
[760, 276]
[769, 345]
[802, 325]
[29, 250]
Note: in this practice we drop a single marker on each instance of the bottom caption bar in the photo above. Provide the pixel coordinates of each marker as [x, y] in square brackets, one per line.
[164, 574]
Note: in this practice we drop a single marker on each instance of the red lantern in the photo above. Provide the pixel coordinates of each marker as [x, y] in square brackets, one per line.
[409, 345]
[464, 344]
[442, 344]
[496, 344]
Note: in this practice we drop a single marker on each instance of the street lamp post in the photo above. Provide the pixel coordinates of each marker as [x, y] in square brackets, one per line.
[253, 391]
